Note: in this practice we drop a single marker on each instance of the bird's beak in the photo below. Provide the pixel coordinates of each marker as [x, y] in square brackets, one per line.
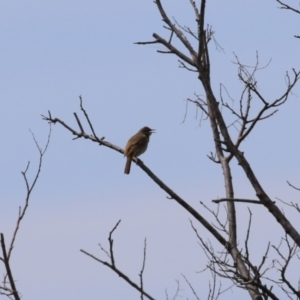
[152, 130]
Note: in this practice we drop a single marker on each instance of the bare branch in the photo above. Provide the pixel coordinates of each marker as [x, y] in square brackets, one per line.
[176, 294]
[285, 6]
[294, 187]
[237, 200]
[143, 268]
[195, 10]
[112, 265]
[286, 260]
[248, 235]
[5, 259]
[173, 50]
[159, 182]
[191, 287]
[291, 204]
[177, 31]
[111, 243]
[146, 43]
[29, 188]
[184, 66]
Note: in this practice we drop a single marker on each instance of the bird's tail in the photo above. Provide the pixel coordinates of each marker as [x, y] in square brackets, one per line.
[128, 165]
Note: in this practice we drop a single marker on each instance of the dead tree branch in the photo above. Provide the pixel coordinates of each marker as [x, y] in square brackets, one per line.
[236, 200]
[159, 182]
[285, 6]
[12, 290]
[113, 267]
[143, 268]
[282, 265]
[288, 7]
[294, 187]
[29, 187]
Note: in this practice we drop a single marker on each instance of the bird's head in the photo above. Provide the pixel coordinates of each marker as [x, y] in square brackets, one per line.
[147, 131]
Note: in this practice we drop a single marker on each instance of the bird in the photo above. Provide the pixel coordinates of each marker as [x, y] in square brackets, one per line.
[137, 145]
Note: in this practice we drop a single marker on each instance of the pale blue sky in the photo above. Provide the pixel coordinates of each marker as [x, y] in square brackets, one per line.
[53, 51]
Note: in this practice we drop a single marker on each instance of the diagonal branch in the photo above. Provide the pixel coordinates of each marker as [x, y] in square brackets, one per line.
[8, 270]
[159, 182]
[112, 265]
[29, 188]
[285, 6]
[120, 273]
[177, 31]
[180, 35]
[174, 50]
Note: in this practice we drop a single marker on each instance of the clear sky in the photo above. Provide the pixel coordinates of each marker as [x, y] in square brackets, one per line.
[53, 51]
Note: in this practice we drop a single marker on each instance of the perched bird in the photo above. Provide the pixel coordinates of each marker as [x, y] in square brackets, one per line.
[137, 145]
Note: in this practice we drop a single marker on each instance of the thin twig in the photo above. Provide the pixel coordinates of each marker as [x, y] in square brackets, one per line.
[142, 270]
[237, 200]
[29, 188]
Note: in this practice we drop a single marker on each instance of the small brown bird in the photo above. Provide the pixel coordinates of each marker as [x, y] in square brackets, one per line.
[137, 145]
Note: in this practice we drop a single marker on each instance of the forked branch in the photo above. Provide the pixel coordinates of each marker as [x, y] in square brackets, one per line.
[159, 182]
[112, 264]
[9, 287]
